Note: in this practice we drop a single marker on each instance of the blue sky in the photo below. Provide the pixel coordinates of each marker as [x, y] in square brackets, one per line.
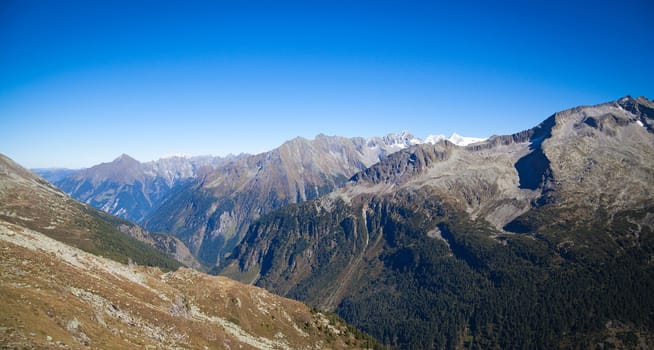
[83, 81]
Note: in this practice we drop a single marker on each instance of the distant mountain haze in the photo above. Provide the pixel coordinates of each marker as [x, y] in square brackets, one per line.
[127, 188]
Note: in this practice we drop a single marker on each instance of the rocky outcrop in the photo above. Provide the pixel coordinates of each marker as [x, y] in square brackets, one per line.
[405, 165]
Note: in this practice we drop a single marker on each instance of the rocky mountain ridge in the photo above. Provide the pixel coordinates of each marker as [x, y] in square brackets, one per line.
[157, 193]
[132, 190]
[211, 215]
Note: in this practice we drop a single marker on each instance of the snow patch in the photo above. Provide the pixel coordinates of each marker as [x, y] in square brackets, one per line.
[463, 140]
[399, 141]
[434, 139]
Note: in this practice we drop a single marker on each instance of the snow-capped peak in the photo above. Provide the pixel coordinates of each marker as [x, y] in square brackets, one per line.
[434, 139]
[396, 141]
[405, 139]
[464, 141]
[454, 138]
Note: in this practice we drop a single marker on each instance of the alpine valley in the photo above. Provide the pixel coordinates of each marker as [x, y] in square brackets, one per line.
[541, 239]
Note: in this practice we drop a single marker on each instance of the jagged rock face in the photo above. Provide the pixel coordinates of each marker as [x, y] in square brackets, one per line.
[482, 181]
[421, 249]
[597, 157]
[55, 296]
[129, 189]
[29, 201]
[212, 214]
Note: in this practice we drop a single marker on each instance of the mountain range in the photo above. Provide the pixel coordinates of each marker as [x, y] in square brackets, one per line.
[209, 202]
[540, 239]
[126, 187]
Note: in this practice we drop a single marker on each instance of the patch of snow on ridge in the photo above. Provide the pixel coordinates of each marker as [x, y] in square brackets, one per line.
[434, 139]
[404, 139]
[463, 140]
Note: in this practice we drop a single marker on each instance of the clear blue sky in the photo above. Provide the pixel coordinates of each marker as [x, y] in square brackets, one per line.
[83, 81]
